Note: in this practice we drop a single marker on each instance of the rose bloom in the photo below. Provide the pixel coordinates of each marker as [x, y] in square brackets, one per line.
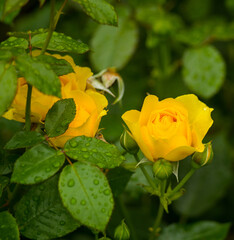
[172, 128]
[89, 103]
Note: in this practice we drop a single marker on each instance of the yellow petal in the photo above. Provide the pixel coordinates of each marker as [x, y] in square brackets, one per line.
[199, 116]
[131, 117]
[99, 99]
[150, 102]
[180, 153]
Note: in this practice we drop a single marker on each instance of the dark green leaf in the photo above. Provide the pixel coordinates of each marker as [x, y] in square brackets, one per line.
[39, 75]
[14, 42]
[204, 230]
[204, 70]
[86, 194]
[113, 47]
[3, 183]
[95, 151]
[8, 86]
[59, 66]
[59, 117]
[8, 227]
[41, 214]
[10, 17]
[24, 139]
[42, 2]
[37, 164]
[60, 43]
[99, 10]
[201, 189]
[118, 179]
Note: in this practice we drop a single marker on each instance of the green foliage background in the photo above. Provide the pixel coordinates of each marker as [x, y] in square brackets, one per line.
[166, 48]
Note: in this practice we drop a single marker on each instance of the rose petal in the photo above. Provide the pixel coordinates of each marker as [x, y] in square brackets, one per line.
[180, 153]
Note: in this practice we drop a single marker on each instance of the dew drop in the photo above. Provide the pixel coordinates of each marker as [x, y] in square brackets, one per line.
[95, 181]
[83, 202]
[56, 164]
[108, 154]
[73, 201]
[37, 179]
[107, 192]
[86, 155]
[48, 169]
[62, 223]
[84, 149]
[73, 143]
[103, 210]
[71, 183]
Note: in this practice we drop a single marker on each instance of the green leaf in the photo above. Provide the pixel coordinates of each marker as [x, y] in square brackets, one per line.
[113, 47]
[8, 227]
[8, 86]
[95, 151]
[10, 17]
[3, 183]
[208, 184]
[41, 214]
[24, 139]
[59, 117]
[203, 70]
[197, 231]
[5, 55]
[86, 194]
[59, 66]
[39, 75]
[118, 179]
[99, 10]
[42, 2]
[60, 43]
[14, 42]
[37, 164]
[13, 5]
[26, 35]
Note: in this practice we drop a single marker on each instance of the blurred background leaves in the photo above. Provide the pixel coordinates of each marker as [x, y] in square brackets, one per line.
[166, 48]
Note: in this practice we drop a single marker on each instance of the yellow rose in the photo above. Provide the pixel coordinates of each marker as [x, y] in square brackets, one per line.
[172, 128]
[89, 103]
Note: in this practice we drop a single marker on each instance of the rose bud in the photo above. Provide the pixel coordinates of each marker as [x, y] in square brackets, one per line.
[128, 143]
[200, 159]
[162, 169]
[122, 232]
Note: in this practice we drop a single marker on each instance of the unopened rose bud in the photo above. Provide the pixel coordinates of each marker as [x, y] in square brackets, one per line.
[200, 159]
[128, 143]
[122, 232]
[162, 169]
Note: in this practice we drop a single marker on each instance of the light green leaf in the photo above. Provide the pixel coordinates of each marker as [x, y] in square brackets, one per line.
[59, 66]
[3, 183]
[114, 46]
[60, 43]
[8, 86]
[59, 117]
[11, 6]
[8, 227]
[118, 179]
[86, 194]
[14, 42]
[99, 10]
[204, 230]
[39, 75]
[95, 151]
[41, 214]
[37, 164]
[24, 139]
[203, 70]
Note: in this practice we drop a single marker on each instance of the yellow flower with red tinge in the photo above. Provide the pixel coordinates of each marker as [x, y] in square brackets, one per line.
[172, 128]
[90, 104]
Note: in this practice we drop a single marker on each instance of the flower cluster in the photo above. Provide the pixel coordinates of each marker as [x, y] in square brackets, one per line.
[90, 104]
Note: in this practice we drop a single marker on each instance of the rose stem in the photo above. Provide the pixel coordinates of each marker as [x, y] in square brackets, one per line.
[182, 182]
[149, 179]
[160, 212]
